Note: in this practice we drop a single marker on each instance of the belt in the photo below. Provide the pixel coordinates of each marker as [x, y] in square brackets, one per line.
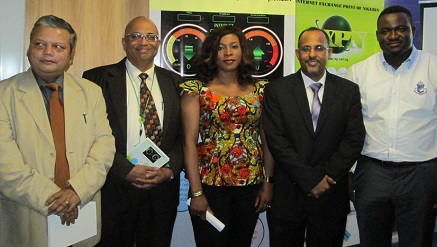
[397, 164]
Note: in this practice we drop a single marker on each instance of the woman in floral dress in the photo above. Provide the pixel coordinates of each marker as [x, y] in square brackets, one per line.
[226, 158]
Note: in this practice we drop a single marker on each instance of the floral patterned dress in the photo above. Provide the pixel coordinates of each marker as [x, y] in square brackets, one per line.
[230, 150]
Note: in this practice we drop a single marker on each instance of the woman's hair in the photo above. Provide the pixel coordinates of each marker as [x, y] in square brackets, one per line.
[205, 62]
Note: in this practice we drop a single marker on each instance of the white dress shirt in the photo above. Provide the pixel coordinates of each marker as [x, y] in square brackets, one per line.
[399, 106]
[133, 82]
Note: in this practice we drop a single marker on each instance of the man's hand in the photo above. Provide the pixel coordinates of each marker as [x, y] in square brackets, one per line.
[64, 203]
[323, 187]
[69, 218]
[153, 177]
[139, 171]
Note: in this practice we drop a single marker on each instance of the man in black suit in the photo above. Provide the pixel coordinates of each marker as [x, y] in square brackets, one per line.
[314, 138]
[139, 203]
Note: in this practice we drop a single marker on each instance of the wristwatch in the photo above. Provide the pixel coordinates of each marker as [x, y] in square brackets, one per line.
[172, 175]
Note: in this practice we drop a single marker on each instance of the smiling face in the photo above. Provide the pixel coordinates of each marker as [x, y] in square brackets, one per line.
[49, 52]
[229, 53]
[312, 59]
[141, 53]
[395, 34]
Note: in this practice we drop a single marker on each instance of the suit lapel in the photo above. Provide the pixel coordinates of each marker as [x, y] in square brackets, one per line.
[32, 100]
[167, 96]
[302, 100]
[74, 107]
[328, 97]
[117, 89]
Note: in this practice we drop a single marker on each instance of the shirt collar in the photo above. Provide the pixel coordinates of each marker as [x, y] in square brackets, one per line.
[134, 71]
[408, 62]
[41, 81]
[308, 80]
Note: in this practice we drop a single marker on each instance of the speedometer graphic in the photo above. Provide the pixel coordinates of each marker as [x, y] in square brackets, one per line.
[179, 47]
[267, 49]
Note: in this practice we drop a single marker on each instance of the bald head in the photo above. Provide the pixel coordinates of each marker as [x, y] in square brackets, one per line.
[138, 22]
[141, 51]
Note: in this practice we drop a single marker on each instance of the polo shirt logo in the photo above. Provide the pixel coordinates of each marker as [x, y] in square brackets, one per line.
[420, 88]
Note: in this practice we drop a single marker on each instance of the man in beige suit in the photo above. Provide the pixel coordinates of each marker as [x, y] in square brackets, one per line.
[28, 193]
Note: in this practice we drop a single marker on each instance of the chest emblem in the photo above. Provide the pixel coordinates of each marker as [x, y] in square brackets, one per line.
[420, 88]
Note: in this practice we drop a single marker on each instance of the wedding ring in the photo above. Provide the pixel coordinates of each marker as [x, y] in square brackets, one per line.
[66, 202]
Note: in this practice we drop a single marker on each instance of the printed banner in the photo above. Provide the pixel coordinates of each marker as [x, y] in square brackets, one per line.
[350, 24]
[267, 25]
[284, 7]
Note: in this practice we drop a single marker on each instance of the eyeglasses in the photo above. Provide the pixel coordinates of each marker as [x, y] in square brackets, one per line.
[317, 49]
[137, 37]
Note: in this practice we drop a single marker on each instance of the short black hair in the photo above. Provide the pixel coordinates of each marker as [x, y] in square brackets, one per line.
[396, 9]
[313, 29]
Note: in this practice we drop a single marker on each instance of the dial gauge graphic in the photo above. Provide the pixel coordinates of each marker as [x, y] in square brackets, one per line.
[267, 49]
[179, 47]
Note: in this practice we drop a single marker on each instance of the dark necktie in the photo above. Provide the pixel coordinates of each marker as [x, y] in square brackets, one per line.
[62, 171]
[315, 108]
[148, 111]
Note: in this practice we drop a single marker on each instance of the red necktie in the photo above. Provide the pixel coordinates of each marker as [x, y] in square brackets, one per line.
[148, 111]
[62, 171]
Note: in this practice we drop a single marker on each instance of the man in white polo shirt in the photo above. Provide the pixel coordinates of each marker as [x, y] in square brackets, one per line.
[395, 181]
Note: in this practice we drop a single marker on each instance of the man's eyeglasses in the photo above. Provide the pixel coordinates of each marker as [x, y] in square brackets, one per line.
[317, 49]
[137, 37]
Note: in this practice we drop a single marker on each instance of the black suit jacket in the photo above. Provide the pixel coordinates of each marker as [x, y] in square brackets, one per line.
[303, 157]
[112, 80]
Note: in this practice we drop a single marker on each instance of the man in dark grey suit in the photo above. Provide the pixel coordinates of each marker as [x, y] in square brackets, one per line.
[139, 203]
[315, 132]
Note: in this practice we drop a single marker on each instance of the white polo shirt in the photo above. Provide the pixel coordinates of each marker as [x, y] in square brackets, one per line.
[399, 106]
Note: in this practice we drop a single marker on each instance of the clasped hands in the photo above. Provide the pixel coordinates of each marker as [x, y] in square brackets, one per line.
[323, 187]
[147, 177]
[64, 204]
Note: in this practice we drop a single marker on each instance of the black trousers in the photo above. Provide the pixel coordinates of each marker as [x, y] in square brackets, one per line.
[144, 217]
[400, 198]
[235, 207]
[317, 222]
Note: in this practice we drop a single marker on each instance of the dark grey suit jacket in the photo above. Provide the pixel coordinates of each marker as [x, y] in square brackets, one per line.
[302, 157]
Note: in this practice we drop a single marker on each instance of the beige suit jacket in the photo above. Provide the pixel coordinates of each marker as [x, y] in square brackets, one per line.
[27, 154]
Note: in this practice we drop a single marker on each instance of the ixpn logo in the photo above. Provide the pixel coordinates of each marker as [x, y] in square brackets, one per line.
[341, 36]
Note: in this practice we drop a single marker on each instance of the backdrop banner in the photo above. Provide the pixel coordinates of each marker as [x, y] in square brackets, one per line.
[350, 24]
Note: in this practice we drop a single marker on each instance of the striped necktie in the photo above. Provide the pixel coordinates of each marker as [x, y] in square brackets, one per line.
[315, 108]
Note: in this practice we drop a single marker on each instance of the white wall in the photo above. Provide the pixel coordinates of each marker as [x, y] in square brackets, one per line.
[11, 37]
[428, 28]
